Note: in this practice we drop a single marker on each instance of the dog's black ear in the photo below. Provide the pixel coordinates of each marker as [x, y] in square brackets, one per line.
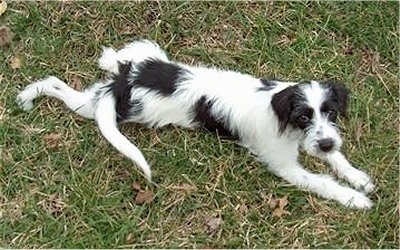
[339, 93]
[282, 105]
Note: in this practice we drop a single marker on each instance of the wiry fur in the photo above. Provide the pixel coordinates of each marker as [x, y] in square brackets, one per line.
[272, 118]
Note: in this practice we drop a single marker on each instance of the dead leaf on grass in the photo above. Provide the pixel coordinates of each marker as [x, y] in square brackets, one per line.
[271, 201]
[280, 211]
[213, 224]
[136, 186]
[144, 197]
[184, 187]
[5, 35]
[52, 140]
[3, 7]
[15, 62]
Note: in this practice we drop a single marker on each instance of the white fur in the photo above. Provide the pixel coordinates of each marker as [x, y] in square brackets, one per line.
[237, 102]
[105, 116]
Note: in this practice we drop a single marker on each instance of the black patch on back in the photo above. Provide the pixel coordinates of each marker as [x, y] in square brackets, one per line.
[159, 76]
[121, 88]
[267, 84]
[203, 115]
[287, 106]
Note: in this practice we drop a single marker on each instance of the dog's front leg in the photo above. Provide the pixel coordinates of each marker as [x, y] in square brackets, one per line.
[357, 178]
[323, 185]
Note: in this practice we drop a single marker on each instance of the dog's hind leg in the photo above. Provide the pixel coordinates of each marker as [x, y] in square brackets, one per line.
[134, 52]
[82, 103]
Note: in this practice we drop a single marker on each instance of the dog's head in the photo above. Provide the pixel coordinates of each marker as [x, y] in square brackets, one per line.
[312, 107]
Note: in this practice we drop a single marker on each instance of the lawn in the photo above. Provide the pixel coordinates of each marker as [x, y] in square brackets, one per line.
[63, 186]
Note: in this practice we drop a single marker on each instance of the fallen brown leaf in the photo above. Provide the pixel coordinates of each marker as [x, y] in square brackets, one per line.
[280, 211]
[271, 201]
[52, 140]
[136, 186]
[15, 62]
[213, 224]
[3, 7]
[5, 35]
[282, 202]
[144, 197]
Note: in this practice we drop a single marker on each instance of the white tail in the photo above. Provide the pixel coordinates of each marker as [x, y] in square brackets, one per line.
[106, 118]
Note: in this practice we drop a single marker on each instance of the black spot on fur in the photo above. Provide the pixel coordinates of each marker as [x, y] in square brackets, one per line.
[267, 84]
[203, 115]
[286, 105]
[160, 76]
[121, 90]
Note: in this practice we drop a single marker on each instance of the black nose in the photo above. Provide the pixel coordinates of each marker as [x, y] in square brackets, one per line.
[325, 144]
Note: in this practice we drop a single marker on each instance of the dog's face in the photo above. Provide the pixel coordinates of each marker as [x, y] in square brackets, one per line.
[312, 108]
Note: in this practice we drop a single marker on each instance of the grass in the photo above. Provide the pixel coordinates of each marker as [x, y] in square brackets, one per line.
[63, 185]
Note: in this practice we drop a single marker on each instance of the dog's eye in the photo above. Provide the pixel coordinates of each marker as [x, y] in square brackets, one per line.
[331, 113]
[304, 119]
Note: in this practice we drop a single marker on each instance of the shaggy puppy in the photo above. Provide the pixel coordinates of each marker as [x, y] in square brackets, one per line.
[272, 118]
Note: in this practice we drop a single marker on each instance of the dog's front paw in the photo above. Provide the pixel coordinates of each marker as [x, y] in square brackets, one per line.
[361, 181]
[354, 199]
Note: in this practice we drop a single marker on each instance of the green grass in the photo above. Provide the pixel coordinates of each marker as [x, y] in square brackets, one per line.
[78, 193]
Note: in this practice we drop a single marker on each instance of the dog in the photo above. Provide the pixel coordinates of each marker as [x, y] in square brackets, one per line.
[274, 119]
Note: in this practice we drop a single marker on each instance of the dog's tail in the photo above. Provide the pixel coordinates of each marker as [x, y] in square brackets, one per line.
[106, 117]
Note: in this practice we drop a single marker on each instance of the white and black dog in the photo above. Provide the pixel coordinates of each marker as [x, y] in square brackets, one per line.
[272, 118]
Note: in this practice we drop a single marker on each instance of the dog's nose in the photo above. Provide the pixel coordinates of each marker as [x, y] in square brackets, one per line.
[325, 144]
